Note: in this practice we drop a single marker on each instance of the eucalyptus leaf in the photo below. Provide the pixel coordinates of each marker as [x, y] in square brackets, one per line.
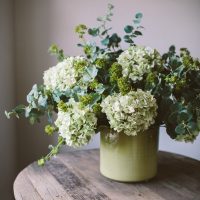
[180, 129]
[105, 41]
[95, 98]
[128, 29]
[42, 100]
[137, 33]
[136, 21]
[138, 15]
[192, 126]
[27, 111]
[184, 116]
[90, 73]
[100, 89]
[94, 32]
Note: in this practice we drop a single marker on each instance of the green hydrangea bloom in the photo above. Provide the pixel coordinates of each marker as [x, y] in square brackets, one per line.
[77, 125]
[137, 61]
[132, 113]
[65, 74]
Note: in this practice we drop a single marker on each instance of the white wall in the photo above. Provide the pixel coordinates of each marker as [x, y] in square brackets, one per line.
[39, 23]
[7, 101]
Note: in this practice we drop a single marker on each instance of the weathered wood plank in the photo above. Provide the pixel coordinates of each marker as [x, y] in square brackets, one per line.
[23, 188]
[45, 184]
[75, 175]
[89, 167]
[76, 186]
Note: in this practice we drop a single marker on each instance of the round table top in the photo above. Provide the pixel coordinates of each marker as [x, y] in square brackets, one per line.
[75, 175]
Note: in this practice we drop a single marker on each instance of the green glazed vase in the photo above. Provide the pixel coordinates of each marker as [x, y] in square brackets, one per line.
[128, 158]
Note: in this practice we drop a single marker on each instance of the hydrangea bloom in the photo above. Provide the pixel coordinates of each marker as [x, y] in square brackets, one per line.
[138, 60]
[132, 113]
[76, 125]
[62, 76]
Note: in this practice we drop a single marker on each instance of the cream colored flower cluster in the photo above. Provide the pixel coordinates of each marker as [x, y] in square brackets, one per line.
[76, 125]
[132, 113]
[137, 61]
[62, 76]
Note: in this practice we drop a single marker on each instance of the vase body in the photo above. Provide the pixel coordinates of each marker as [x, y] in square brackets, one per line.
[129, 158]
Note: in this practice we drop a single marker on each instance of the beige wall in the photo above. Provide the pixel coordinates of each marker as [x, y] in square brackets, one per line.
[39, 23]
[7, 101]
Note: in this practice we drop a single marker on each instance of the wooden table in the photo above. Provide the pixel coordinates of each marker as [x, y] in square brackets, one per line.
[75, 175]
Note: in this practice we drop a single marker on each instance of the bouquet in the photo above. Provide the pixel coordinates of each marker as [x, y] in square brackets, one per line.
[128, 90]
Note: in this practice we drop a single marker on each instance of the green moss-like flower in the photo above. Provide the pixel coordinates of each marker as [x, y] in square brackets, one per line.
[115, 72]
[49, 129]
[123, 85]
[151, 77]
[88, 50]
[94, 84]
[85, 100]
[62, 106]
[80, 65]
[188, 61]
[97, 108]
[101, 62]
[132, 113]
[171, 79]
[180, 84]
[81, 30]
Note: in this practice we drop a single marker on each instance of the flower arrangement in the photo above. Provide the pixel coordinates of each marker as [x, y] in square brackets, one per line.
[127, 90]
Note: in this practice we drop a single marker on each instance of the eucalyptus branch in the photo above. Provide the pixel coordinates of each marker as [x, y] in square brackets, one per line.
[54, 151]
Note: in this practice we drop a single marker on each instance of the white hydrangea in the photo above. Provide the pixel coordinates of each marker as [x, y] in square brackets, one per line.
[137, 61]
[132, 113]
[76, 125]
[62, 76]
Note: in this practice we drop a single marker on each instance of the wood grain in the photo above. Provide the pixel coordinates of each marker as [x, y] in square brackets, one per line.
[75, 175]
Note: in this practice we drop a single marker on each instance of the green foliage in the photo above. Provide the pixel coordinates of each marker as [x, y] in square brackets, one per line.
[62, 106]
[50, 129]
[94, 84]
[123, 85]
[90, 73]
[128, 29]
[17, 111]
[115, 72]
[80, 65]
[89, 99]
[134, 30]
[81, 30]
[97, 109]
[59, 53]
[54, 150]
[101, 62]
[85, 100]
[40, 102]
